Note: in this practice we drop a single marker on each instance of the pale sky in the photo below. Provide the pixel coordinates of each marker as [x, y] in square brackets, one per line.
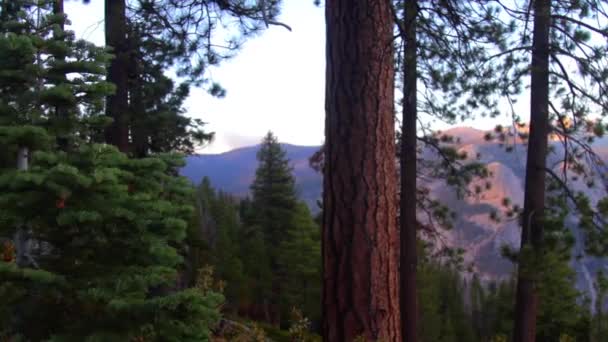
[276, 82]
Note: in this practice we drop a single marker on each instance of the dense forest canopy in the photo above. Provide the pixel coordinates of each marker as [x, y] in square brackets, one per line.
[103, 239]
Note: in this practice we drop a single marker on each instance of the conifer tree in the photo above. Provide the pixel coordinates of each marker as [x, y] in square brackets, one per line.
[103, 234]
[534, 200]
[117, 105]
[556, 48]
[300, 258]
[221, 228]
[148, 37]
[273, 206]
[440, 52]
[35, 89]
[360, 288]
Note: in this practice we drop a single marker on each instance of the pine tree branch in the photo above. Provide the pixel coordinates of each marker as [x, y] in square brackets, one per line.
[581, 23]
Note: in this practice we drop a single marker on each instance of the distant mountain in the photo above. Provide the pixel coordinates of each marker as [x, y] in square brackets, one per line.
[234, 171]
[474, 231]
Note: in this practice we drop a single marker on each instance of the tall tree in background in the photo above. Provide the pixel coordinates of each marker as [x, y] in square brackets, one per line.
[565, 42]
[409, 192]
[441, 48]
[300, 259]
[360, 273]
[170, 34]
[117, 105]
[534, 193]
[60, 113]
[273, 205]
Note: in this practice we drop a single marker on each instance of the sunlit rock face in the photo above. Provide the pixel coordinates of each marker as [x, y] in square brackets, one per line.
[481, 237]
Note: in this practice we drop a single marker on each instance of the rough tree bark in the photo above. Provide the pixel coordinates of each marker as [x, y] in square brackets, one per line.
[407, 219]
[527, 300]
[117, 105]
[360, 246]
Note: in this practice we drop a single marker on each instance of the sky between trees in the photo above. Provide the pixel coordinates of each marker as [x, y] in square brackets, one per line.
[276, 82]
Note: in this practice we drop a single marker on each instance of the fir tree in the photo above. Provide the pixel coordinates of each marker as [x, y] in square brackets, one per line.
[106, 231]
[273, 206]
[222, 230]
[34, 89]
[300, 258]
[148, 37]
[100, 236]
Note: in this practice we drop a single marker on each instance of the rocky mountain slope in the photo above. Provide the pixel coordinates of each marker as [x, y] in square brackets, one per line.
[481, 237]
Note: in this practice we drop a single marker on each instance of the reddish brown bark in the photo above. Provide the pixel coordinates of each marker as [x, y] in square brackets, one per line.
[117, 105]
[408, 223]
[360, 296]
[534, 198]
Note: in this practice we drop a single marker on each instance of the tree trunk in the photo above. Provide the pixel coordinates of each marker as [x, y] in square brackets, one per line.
[136, 91]
[408, 223]
[117, 104]
[360, 247]
[61, 115]
[58, 9]
[534, 198]
[21, 243]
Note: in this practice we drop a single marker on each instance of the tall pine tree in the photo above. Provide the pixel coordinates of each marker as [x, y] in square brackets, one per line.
[360, 248]
[273, 205]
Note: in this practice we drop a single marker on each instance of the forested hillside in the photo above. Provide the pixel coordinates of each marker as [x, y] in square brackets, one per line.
[114, 228]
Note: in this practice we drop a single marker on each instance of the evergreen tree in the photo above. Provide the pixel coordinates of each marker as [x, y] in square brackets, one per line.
[222, 230]
[117, 106]
[300, 257]
[441, 292]
[149, 37]
[157, 101]
[360, 286]
[566, 71]
[106, 232]
[534, 199]
[440, 50]
[273, 206]
[99, 237]
[33, 89]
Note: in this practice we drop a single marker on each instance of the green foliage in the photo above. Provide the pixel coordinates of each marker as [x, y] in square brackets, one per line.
[443, 315]
[300, 262]
[112, 241]
[186, 33]
[267, 249]
[219, 220]
[36, 58]
[101, 235]
[157, 101]
[273, 206]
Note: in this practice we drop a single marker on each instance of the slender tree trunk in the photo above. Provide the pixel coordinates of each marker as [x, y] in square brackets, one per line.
[408, 223]
[117, 104]
[140, 145]
[61, 115]
[21, 244]
[360, 244]
[534, 198]
[58, 9]
[136, 91]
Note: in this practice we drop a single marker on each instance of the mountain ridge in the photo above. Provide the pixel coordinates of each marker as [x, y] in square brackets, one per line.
[481, 237]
